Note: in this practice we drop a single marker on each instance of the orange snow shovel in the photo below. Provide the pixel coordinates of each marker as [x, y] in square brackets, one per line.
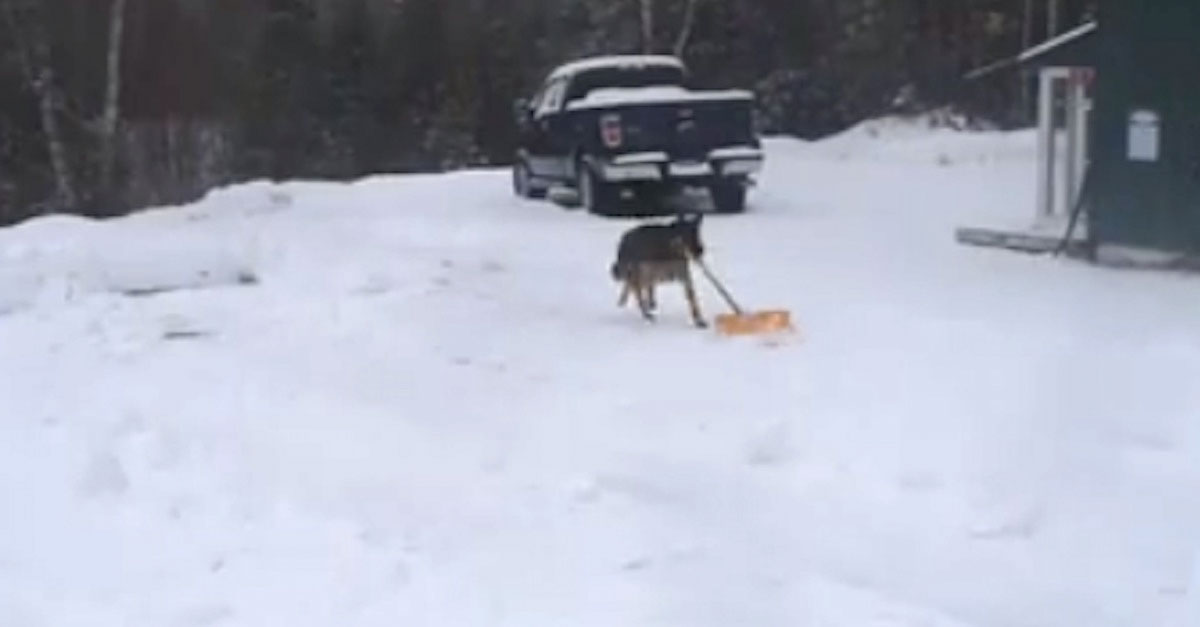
[741, 322]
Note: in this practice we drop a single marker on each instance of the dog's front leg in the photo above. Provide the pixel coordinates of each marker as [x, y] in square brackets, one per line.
[640, 293]
[625, 288]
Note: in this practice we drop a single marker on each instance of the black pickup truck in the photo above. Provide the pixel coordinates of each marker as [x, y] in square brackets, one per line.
[621, 127]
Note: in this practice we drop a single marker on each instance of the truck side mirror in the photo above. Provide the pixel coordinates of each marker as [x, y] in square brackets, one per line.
[521, 110]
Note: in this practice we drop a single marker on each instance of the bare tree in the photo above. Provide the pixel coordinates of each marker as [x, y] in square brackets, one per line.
[112, 95]
[33, 51]
[685, 31]
[1025, 75]
[647, 26]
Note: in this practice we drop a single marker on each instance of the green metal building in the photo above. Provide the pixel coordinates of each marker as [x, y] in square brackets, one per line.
[1143, 191]
[1125, 91]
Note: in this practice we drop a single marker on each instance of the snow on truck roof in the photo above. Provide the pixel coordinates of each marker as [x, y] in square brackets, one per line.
[609, 97]
[615, 61]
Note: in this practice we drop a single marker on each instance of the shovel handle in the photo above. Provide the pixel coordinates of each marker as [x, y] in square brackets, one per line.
[717, 284]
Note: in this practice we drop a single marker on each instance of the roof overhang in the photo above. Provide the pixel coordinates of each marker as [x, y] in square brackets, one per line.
[1073, 48]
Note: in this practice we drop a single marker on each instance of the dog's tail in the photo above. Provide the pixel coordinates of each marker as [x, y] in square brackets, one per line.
[617, 271]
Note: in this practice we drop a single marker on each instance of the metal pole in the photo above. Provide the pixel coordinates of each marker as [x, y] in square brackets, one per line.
[1047, 155]
[1052, 18]
[1072, 104]
[1025, 75]
[1082, 126]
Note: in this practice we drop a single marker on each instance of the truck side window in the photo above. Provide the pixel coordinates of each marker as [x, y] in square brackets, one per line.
[536, 100]
[552, 100]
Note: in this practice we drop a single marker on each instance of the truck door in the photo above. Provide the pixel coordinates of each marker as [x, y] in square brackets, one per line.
[544, 162]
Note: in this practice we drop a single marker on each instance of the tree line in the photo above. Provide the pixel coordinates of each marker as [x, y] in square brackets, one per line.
[111, 105]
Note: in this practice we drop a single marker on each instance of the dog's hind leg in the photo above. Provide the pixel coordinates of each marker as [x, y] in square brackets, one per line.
[625, 288]
[651, 299]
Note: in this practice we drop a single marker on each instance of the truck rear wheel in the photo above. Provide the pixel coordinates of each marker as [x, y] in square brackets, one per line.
[595, 195]
[523, 184]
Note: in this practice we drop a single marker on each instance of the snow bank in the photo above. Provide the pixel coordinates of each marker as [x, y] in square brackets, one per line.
[120, 262]
[58, 259]
[161, 249]
[940, 138]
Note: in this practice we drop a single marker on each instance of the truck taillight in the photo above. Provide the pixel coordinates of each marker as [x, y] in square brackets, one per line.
[610, 130]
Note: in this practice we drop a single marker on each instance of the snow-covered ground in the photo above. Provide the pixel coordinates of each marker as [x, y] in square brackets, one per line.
[412, 401]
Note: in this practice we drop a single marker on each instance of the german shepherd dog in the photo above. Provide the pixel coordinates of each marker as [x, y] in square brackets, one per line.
[651, 254]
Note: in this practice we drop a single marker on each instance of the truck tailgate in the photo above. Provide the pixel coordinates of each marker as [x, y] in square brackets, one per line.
[687, 130]
[687, 126]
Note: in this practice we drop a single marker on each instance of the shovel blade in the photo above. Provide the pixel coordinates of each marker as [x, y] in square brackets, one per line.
[755, 323]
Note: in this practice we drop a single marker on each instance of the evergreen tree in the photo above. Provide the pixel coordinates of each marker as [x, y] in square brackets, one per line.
[226, 90]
